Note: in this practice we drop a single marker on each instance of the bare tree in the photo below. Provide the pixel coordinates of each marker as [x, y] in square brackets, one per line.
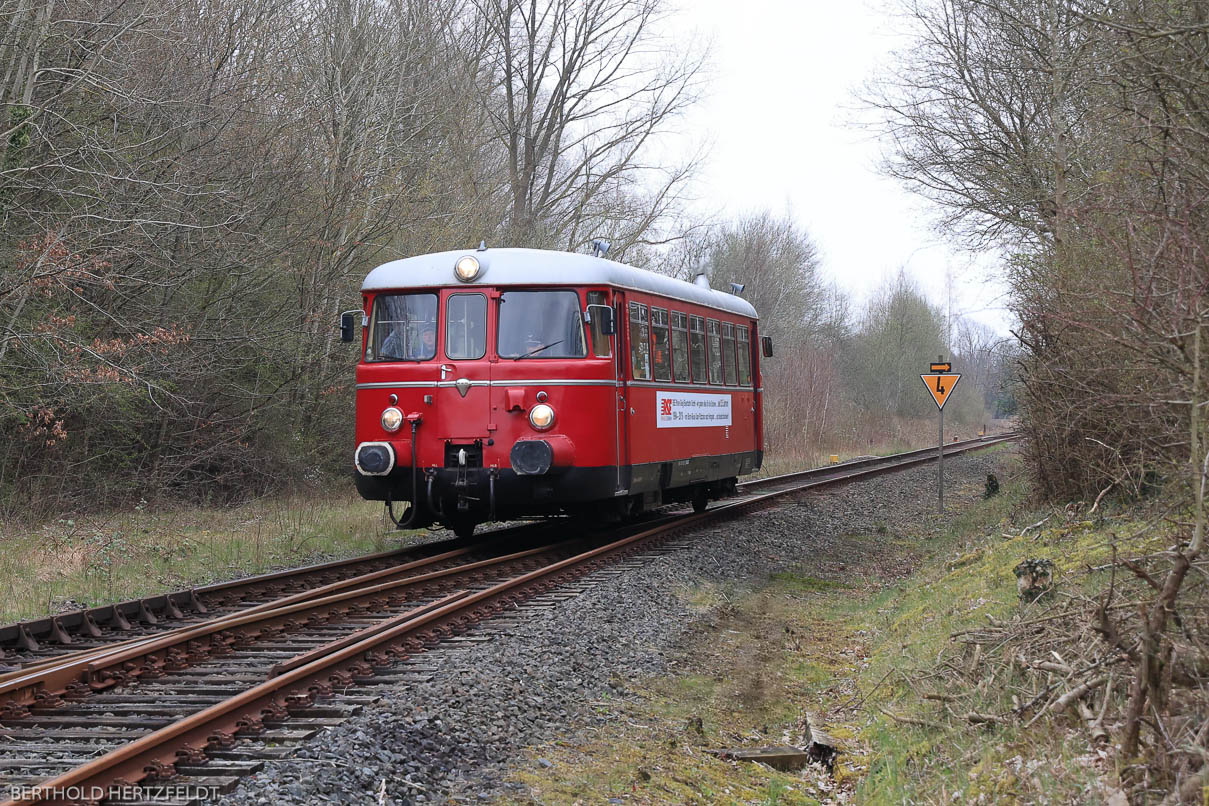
[778, 264]
[990, 113]
[582, 88]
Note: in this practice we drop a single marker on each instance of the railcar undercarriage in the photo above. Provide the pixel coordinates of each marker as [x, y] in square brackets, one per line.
[463, 496]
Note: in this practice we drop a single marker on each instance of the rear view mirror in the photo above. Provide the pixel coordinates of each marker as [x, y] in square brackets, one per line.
[602, 317]
[346, 326]
[767, 342]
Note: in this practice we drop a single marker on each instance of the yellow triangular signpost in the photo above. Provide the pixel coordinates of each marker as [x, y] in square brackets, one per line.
[940, 382]
[941, 386]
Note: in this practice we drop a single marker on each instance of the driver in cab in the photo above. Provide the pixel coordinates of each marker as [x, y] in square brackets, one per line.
[397, 346]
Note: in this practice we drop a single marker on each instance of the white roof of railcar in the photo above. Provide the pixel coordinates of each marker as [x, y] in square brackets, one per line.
[542, 267]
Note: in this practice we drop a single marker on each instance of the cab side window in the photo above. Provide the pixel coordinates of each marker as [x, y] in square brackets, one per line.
[600, 341]
[728, 353]
[680, 346]
[715, 351]
[743, 350]
[696, 342]
[640, 343]
[403, 327]
[661, 352]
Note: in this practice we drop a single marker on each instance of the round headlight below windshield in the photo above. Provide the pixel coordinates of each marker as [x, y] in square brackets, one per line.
[541, 416]
[392, 418]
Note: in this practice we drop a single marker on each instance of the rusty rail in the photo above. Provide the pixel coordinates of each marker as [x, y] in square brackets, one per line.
[315, 674]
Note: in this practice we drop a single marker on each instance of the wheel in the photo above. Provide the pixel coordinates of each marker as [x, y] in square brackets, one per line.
[700, 499]
[462, 528]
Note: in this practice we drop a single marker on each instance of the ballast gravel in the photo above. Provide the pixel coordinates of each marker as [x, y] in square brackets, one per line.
[453, 738]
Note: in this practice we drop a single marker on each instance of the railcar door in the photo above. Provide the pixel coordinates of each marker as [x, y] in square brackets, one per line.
[622, 340]
[463, 402]
[757, 396]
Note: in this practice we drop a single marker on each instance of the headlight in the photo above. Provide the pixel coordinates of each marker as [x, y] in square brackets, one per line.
[392, 418]
[467, 268]
[541, 416]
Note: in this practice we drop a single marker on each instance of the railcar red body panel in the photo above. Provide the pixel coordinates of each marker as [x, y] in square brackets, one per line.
[656, 410]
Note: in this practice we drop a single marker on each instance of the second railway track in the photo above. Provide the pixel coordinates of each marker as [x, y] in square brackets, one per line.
[200, 704]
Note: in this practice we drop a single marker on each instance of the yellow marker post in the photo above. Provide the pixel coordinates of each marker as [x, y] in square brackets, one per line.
[940, 383]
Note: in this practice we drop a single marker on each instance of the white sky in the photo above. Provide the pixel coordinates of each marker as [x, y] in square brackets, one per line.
[777, 115]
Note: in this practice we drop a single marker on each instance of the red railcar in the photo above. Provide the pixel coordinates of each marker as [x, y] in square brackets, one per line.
[507, 382]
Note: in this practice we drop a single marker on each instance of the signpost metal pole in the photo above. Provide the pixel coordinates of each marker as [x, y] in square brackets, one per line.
[940, 465]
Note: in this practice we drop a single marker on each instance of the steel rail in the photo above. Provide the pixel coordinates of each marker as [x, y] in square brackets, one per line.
[887, 462]
[169, 638]
[61, 666]
[172, 605]
[322, 590]
[343, 661]
[86, 622]
[98, 671]
[64, 628]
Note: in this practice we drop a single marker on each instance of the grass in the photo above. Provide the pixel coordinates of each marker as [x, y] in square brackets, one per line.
[851, 652]
[966, 584]
[94, 560]
[753, 683]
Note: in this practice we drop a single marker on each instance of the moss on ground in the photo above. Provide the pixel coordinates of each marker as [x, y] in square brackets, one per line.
[854, 655]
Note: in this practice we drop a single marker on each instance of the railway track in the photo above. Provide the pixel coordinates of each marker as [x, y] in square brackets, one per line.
[36, 640]
[188, 710]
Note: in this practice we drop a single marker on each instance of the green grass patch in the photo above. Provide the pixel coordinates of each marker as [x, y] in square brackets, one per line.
[924, 750]
[798, 583]
[853, 652]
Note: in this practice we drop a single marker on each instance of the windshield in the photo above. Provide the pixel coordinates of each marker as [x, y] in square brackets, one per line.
[403, 328]
[541, 324]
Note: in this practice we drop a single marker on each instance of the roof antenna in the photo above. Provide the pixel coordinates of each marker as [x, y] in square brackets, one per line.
[600, 248]
[482, 245]
[737, 289]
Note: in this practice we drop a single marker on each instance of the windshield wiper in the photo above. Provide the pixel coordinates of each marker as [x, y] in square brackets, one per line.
[539, 349]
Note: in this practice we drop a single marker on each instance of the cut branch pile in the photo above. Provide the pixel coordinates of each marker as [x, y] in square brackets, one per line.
[1127, 668]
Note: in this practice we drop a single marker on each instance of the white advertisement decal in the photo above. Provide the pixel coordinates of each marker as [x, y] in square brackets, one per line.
[689, 410]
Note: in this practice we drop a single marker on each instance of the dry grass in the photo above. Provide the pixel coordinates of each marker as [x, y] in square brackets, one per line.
[95, 559]
[886, 436]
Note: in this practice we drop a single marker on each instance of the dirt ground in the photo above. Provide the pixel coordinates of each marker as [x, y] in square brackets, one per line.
[805, 652]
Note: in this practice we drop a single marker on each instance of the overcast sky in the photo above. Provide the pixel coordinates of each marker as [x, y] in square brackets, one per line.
[778, 115]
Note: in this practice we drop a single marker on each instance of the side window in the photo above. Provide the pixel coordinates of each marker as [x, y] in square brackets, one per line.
[403, 327]
[661, 349]
[743, 349]
[728, 353]
[600, 341]
[715, 351]
[680, 346]
[696, 341]
[466, 326]
[640, 343]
